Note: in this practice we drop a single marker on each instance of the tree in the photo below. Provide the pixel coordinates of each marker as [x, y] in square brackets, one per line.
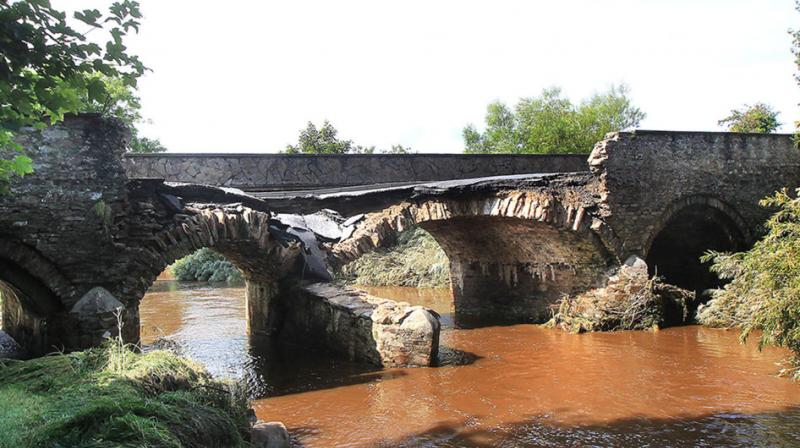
[551, 123]
[46, 63]
[397, 149]
[324, 141]
[122, 102]
[759, 118]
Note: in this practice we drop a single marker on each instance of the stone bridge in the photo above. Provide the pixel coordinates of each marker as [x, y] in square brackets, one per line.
[89, 232]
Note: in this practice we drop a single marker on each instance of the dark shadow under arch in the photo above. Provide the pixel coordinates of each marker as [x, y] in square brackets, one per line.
[30, 309]
[685, 236]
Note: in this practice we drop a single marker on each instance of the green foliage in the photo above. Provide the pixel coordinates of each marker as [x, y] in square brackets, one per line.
[416, 260]
[205, 265]
[155, 399]
[551, 123]
[796, 52]
[120, 101]
[397, 149]
[325, 141]
[45, 66]
[144, 145]
[759, 118]
[764, 291]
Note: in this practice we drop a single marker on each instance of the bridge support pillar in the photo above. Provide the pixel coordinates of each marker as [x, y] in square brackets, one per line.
[262, 301]
[99, 315]
[361, 327]
[485, 292]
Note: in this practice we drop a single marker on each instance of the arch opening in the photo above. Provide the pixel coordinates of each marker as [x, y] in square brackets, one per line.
[688, 234]
[204, 318]
[508, 270]
[28, 313]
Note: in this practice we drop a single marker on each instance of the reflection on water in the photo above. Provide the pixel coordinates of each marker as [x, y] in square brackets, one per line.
[529, 386]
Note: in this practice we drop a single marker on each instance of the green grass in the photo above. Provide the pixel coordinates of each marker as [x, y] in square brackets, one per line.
[113, 397]
[416, 260]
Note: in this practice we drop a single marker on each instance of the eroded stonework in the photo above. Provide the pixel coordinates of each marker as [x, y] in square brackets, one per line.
[516, 242]
[362, 327]
[266, 172]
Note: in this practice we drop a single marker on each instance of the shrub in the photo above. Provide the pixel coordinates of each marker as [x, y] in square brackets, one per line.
[205, 265]
[764, 291]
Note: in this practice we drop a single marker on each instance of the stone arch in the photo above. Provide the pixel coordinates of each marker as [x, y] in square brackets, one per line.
[512, 254]
[239, 233]
[32, 288]
[687, 229]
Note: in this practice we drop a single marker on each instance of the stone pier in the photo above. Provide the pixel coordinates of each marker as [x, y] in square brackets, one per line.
[361, 327]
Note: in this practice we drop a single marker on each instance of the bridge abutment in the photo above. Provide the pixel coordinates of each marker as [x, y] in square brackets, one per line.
[360, 327]
[262, 307]
[485, 292]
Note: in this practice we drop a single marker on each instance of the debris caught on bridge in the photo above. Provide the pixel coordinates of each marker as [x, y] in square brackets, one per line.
[630, 301]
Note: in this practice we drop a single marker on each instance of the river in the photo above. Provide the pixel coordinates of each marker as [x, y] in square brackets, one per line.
[520, 385]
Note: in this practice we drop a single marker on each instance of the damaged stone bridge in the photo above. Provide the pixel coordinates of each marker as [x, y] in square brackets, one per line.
[88, 233]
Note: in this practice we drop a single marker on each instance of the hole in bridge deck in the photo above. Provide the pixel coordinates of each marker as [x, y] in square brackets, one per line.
[676, 250]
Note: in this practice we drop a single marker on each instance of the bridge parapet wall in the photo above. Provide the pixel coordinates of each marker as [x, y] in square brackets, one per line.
[648, 176]
[265, 172]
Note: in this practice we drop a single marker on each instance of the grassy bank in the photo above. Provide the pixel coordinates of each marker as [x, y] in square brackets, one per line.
[416, 260]
[113, 397]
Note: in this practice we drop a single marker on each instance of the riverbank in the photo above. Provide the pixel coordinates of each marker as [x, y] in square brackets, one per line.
[112, 396]
[416, 260]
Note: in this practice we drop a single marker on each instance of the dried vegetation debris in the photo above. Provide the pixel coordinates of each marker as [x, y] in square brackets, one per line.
[630, 301]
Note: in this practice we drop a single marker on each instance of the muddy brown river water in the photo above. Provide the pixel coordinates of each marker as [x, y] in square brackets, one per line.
[518, 386]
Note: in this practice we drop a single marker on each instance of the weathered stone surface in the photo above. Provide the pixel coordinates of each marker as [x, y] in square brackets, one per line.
[362, 327]
[516, 242]
[263, 172]
[404, 335]
[98, 300]
[77, 233]
[513, 252]
[9, 349]
[269, 435]
[649, 176]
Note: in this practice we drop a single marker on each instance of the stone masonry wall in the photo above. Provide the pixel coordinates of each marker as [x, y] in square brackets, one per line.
[650, 175]
[57, 224]
[361, 327]
[262, 172]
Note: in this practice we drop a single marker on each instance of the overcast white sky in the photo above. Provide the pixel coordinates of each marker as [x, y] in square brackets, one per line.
[246, 76]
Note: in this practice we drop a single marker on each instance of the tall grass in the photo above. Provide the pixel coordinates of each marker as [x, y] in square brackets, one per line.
[416, 260]
[112, 396]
